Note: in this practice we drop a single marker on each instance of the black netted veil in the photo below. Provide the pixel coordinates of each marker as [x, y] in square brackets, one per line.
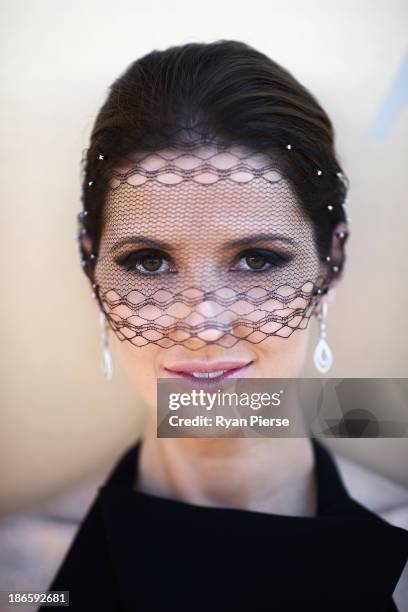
[205, 241]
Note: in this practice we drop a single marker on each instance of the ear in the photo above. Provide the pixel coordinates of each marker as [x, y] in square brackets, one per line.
[86, 243]
[330, 296]
[337, 261]
[340, 236]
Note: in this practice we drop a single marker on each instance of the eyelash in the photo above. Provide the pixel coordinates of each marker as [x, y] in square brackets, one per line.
[130, 260]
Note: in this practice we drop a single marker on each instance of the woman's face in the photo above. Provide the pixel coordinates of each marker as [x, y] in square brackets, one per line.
[240, 234]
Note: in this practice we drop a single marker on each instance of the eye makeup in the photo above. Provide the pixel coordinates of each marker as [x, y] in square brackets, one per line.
[155, 261]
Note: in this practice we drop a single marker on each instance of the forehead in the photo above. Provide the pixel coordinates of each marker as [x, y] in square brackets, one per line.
[218, 191]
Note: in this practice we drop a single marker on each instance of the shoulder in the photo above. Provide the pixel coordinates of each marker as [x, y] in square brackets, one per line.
[374, 491]
[48, 530]
[386, 498]
[43, 533]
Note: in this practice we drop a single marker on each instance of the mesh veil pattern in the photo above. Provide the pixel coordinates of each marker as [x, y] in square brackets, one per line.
[204, 242]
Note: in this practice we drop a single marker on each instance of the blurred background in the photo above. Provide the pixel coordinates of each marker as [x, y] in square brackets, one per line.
[59, 419]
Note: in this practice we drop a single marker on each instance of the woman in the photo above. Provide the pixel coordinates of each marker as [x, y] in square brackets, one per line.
[213, 227]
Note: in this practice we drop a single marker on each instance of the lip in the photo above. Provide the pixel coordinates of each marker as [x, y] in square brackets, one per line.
[235, 369]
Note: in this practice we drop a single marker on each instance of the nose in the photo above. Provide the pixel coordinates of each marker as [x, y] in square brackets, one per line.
[201, 319]
[210, 319]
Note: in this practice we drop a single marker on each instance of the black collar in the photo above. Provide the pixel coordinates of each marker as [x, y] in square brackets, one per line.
[345, 551]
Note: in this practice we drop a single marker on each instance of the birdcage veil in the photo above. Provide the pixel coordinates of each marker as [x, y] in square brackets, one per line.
[204, 238]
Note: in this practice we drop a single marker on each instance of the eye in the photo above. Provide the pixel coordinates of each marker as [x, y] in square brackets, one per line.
[260, 260]
[145, 261]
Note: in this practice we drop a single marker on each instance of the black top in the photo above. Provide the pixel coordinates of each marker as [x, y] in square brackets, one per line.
[135, 551]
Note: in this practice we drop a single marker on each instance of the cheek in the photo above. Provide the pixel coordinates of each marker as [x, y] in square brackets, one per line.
[282, 357]
[139, 366]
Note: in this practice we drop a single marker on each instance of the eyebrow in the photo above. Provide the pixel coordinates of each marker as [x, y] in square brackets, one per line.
[260, 238]
[151, 242]
[160, 244]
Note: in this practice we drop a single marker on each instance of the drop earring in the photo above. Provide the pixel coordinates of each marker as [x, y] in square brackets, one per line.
[107, 359]
[323, 356]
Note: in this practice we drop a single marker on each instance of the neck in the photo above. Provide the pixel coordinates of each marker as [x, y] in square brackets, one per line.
[272, 475]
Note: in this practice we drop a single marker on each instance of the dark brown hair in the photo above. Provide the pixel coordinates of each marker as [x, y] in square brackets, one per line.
[226, 87]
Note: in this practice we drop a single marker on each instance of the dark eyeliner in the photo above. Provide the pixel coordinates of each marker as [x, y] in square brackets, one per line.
[129, 260]
[275, 258]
